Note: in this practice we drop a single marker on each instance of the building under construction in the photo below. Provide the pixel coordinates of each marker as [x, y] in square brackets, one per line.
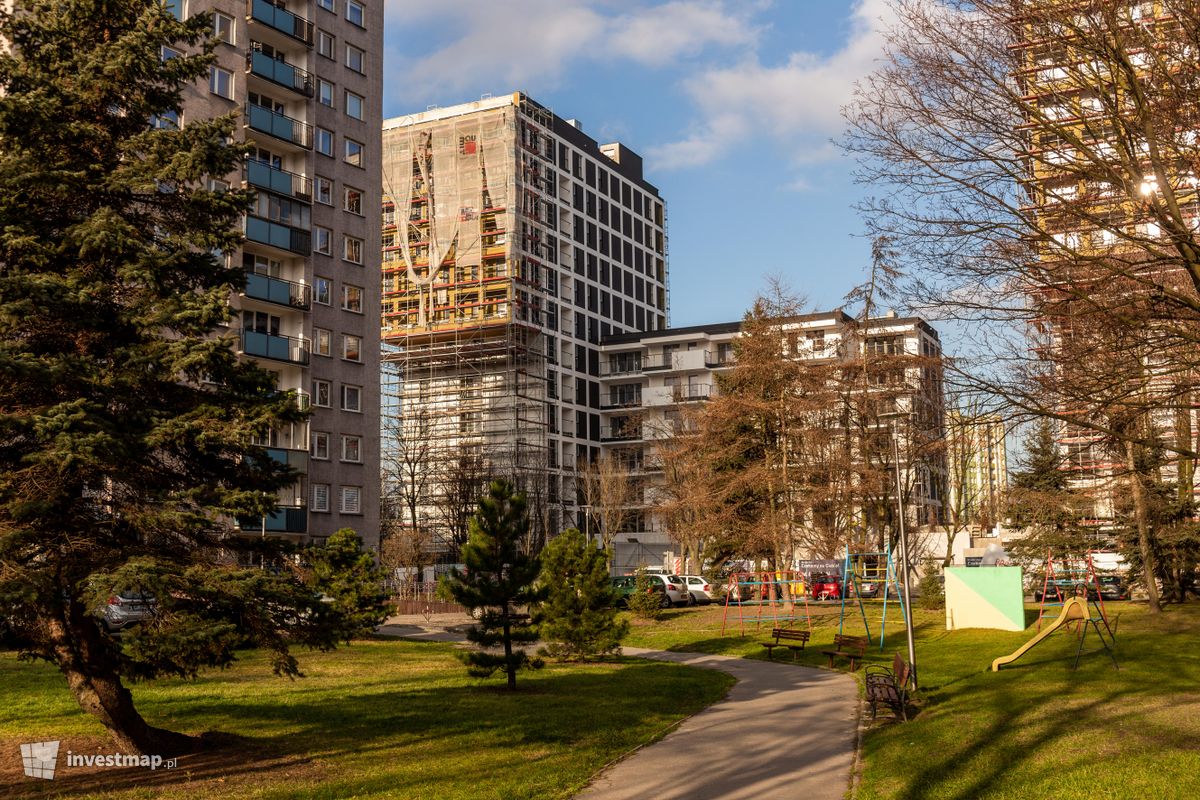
[512, 242]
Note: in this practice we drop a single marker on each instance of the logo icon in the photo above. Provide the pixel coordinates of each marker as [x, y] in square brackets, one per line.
[40, 759]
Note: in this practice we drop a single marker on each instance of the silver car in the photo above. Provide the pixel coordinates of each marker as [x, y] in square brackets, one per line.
[125, 609]
[701, 590]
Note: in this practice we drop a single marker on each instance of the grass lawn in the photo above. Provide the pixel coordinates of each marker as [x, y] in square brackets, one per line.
[379, 719]
[1034, 729]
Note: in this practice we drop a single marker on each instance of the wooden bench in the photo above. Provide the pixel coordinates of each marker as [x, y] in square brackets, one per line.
[791, 636]
[851, 647]
[890, 687]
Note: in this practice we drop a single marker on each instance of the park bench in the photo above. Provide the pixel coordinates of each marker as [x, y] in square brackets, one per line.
[890, 687]
[851, 647]
[791, 636]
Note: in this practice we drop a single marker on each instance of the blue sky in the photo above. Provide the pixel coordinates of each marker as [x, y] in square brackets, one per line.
[732, 103]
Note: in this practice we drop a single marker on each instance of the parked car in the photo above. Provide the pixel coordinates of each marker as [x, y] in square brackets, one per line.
[671, 587]
[125, 609]
[701, 590]
[825, 587]
[1111, 588]
[868, 589]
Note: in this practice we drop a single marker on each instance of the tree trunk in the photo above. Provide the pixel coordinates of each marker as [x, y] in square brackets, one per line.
[1140, 513]
[509, 667]
[84, 658]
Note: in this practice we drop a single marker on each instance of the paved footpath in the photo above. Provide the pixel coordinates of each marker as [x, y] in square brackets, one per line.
[784, 731]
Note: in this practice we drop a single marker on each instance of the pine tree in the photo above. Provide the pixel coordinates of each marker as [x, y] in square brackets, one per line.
[1041, 501]
[125, 416]
[498, 579]
[578, 617]
[349, 581]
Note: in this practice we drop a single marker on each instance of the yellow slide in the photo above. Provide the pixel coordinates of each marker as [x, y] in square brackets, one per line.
[1075, 608]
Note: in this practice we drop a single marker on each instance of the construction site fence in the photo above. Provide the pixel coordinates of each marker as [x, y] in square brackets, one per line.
[411, 597]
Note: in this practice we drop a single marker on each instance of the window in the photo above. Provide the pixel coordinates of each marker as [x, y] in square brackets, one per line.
[352, 449]
[220, 82]
[351, 500]
[323, 142]
[326, 45]
[352, 200]
[351, 398]
[354, 153]
[320, 497]
[320, 445]
[323, 190]
[322, 240]
[167, 53]
[354, 59]
[321, 394]
[351, 347]
[354, 105]
[168, 120]
[324, 93]
[321, 341]
[323, 290]
[223, 28]
[175, 7]
[352, 298]
[328, 5]
[352, 249]
[355, 13]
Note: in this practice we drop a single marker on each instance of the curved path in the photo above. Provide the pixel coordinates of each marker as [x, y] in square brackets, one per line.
[783, 732]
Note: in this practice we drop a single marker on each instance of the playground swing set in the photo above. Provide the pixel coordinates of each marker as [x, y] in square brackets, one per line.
[870, 567]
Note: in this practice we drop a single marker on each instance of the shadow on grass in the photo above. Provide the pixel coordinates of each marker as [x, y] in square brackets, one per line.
[379, 713]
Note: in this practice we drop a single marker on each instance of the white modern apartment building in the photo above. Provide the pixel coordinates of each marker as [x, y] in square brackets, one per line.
[306, 79]
[513, 243]
[647, 379]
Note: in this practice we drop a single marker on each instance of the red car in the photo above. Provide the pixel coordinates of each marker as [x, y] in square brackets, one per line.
[825, 587]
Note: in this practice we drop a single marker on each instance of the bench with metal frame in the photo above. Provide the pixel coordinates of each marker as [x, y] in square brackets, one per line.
[851, 647]
[791, 636]
[890, 687]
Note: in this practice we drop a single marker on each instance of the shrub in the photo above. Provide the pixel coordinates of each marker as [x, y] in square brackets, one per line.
[645, 602]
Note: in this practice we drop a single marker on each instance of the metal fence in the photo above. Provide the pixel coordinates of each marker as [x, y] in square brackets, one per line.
[414, 597]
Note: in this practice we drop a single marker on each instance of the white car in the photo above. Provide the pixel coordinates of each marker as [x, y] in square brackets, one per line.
[676, 593]
[701, 590]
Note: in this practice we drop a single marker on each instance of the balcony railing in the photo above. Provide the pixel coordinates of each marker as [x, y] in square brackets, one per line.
[279, 72]
[621, 433]
[278, 291]
[683, 394]
[274, 234]
[282, 20]
[291, 349]
[621, 401]
[612, 367]
[280, 181]
[281, 126]
[717, 359]
[285, 519]
[297, 460]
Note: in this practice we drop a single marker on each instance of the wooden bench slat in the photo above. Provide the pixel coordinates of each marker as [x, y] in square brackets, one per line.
[788, 634]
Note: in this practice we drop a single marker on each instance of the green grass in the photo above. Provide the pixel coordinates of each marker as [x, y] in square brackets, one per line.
[1034, 729]
[379, 719]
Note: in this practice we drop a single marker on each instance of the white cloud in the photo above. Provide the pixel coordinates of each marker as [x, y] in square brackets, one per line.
[515, 43]
[797, 104]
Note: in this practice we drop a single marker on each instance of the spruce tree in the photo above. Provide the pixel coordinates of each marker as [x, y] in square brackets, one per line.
[349, 581]
[578, 617]
[126, 419]
[499, 578]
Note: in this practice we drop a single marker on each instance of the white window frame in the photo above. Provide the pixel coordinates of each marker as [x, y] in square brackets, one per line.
[346, 339]
[318, 281]
[352, 249]
[322, 336]
[356, 441]
[330, 51]
[323, 190]
[328, 5]
[322, 240]
[353, 99]
[319, 386]
[347, 290]
[349, 390]
[360, 11]
[353, 151]
[215, 75]
[231, 31]
[347, 193]
[325, 92]
[319, 449]
[362, 59]
[345, 504]
[328, 137]
[320, 498]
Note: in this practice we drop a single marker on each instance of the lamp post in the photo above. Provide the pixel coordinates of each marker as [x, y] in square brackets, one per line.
[908, 620]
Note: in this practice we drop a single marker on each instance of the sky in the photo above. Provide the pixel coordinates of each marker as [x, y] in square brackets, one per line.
[733, 104]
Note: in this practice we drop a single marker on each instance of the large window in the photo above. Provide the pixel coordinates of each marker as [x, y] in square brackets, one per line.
[352, 200]
[355, 14]
[354, 105]
[352, 249]
[220, 82]
[325, 93]
[352, 449]
[320, 445]
[322, 290]
[223, 28]
[351, 398]
[323, 142]
[352, 298]
[326, 45]
[322, 341]
[351, 500]
[321, 394]
[351, 347]
[323, 190]
[322, 239]
[355, 59]
[354, 153]
[320, 497]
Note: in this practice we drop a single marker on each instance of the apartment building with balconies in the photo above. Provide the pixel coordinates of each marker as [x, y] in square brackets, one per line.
[305, 80]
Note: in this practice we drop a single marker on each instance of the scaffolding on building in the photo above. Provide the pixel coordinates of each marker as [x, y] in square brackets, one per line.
[464, 367]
